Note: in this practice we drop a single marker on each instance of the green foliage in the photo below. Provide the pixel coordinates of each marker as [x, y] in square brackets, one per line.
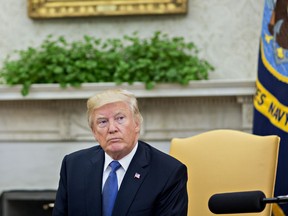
[158, 59]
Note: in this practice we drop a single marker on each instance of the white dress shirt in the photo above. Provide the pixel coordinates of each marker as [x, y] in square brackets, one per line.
[125, 161]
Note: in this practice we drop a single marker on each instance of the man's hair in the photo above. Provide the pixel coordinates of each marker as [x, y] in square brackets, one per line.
[111, 96]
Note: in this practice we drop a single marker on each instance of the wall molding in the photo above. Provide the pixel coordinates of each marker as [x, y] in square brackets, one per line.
[50, 113]
[194, 89]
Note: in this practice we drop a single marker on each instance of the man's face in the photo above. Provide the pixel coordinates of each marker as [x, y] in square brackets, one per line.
[116, 129]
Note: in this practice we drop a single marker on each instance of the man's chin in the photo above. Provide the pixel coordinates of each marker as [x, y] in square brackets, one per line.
[115, 148]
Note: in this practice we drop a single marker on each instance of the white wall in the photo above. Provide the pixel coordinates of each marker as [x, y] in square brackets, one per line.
[227, 31]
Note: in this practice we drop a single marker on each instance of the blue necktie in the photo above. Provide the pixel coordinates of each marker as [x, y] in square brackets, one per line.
[110, 189]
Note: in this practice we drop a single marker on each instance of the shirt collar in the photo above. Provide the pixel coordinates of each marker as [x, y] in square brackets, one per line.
[125, 161]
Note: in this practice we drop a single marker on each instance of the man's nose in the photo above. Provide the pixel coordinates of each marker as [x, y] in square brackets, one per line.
[112, 127]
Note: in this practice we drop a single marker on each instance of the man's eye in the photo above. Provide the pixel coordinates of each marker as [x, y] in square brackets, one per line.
[102, 123]
[120, 119]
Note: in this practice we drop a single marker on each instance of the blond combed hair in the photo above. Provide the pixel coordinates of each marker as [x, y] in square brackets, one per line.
[111, 96]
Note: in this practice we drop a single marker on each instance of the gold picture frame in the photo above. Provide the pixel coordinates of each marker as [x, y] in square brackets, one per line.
[87, 8]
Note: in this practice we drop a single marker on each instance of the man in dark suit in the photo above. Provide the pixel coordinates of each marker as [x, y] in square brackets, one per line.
[148, 181]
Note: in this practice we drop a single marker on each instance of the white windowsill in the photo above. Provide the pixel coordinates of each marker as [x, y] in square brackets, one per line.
[194, 89]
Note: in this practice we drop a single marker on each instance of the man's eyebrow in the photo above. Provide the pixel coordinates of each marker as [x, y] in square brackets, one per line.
[120, 112]
[100, 117]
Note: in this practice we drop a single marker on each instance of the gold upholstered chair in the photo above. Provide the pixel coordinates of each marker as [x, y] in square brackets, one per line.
[222, 161]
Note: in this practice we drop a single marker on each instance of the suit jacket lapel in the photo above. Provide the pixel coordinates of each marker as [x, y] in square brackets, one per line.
[94, 183]
[135, 175]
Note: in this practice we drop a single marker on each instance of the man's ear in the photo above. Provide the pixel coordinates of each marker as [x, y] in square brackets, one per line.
[137, 128]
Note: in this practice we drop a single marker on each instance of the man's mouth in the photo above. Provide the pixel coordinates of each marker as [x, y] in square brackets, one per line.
[114, 140]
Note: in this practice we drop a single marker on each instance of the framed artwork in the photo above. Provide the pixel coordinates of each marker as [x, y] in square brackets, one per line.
[84, 8]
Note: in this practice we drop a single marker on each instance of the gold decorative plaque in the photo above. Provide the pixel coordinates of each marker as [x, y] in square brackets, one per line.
[86, 8]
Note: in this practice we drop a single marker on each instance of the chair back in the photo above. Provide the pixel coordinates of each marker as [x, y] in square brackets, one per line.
[221, 161]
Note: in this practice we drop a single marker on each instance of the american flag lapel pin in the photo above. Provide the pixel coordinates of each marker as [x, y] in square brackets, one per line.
[137, 175]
